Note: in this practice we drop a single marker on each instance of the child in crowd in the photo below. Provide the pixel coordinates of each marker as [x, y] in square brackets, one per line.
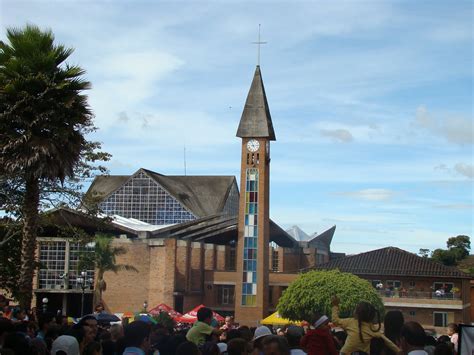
[453, 335]
[319, 340]
[360, 329]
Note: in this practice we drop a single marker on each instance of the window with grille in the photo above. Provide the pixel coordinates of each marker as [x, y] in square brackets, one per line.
[55, 271]
[275, 260]
[225, 294]
[394, 284]
[144, 199]
[440, 319]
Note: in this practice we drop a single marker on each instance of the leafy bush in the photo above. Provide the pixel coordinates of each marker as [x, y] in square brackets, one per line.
[309, 296]
[165, 320]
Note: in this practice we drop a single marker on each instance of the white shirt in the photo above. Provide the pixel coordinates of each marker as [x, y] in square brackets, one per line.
[297, 352]
[417, 352]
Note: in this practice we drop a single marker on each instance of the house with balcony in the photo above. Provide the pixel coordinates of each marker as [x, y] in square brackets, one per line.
[423, 290]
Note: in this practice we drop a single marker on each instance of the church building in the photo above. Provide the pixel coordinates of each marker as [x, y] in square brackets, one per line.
[193, 239]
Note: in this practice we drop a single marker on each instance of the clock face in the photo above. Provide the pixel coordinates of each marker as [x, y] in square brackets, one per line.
[253, 145]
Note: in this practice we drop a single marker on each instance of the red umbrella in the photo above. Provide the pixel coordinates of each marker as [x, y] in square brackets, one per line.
[191, 316]
[164, 308]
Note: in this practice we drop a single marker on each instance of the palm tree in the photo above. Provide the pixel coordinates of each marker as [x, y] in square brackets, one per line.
[43, 120]
[103, 259]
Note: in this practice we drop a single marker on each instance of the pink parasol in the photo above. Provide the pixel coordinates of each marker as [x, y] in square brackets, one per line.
[191, 316]
[162, 307]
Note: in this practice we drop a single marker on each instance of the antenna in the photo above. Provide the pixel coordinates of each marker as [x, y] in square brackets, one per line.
[258, 43]
[185, 160]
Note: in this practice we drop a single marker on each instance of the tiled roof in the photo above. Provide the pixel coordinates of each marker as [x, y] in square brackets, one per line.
[392, 261]
[256, 120]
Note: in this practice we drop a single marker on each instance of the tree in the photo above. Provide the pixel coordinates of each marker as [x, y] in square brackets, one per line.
[424, 253]
[44, 118]
[460, 246]
[457, 250]
[165, 320]
[10, 256]
[446, 257]
[309, 296]
[103, 259]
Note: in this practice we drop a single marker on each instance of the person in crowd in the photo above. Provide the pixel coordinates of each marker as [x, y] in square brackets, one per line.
[188, 348]
[443, 349]
[136, 336]
[339, 337]
[38, 347]
[453, 335]
[93, 348]
[319, 340]
[91, 322]
[260, 334]
[202, 329]
[99, 309]
[392, 324]
[237, 346]
[6, 327]
[360, 328]
[209, 348]
[245, 333]
[5, 310]
[65, 345]
[275, 345]
[18, 315]
[45, 321]
[293, 337]
[412, 339]
[228, 323]
[17, 342]
[430, 344]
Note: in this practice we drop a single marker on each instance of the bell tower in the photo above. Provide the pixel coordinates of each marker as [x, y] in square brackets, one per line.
[256, 131]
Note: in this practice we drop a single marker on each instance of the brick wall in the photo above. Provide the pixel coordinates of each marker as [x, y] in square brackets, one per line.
[127, 290]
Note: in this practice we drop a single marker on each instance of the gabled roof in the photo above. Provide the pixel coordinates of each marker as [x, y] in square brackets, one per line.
[392, 261]
[297, 233]
[256, 120]
[202, 195]
[322, 240]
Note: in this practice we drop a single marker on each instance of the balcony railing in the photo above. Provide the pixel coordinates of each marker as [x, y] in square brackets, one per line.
[420, 294]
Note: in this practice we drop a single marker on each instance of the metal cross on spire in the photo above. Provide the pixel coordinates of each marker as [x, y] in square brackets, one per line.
[258, 43]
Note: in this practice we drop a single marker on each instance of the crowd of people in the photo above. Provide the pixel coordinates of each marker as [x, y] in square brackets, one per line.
[26, 334]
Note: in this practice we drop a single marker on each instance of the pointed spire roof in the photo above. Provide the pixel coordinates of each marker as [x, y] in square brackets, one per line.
[256, 121]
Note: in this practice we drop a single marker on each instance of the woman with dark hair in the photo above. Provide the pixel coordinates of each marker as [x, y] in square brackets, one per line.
[360, 329]
[392, 324]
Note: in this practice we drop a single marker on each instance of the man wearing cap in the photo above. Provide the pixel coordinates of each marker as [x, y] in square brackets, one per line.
[319, 340]
[260, 334]
[65, 344]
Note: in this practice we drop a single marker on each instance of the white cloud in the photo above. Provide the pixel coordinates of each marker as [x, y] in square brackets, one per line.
[455, 129]
[466, 170]
[341, 135]
[462, 169]
[369, 194]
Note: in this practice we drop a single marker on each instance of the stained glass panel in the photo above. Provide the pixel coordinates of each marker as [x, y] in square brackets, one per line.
[249, 277]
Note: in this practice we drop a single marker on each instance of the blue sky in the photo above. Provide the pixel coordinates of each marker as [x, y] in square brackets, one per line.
[371, 103]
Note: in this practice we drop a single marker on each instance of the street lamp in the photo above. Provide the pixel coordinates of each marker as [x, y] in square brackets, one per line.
[145, 306]
[45, 304]
[84, 283]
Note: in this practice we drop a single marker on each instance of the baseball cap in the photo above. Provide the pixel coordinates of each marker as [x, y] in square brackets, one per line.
[321, 321]
[65, 343]
[261, 331]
